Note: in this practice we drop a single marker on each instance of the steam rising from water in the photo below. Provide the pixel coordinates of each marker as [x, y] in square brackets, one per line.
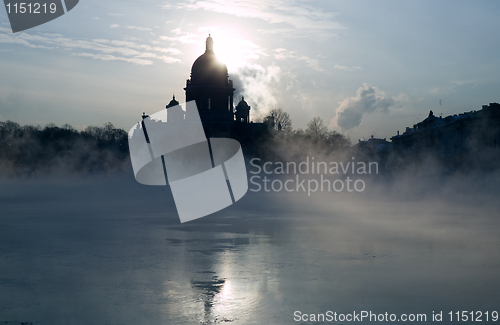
[368, 99]
[259, 84]
[103, 250]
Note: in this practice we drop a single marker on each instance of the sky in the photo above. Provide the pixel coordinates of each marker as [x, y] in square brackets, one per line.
[365, 67]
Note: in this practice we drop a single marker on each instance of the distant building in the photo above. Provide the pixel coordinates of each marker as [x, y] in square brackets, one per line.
[242, 111]
[174, 111]
[372, 150]
[374, 145]
[455, 138]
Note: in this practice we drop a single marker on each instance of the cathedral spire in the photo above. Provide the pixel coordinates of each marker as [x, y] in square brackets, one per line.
[210, 43]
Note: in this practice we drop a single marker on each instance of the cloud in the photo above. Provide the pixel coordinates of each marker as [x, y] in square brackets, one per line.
[312, 63]
[14, 40]
[166, 5]
[138, 28]
[442, 90]
[102, 49]
[346, 68]
[167, 59]
[132, 27]
[184, 38]
[283, 54]
[302, 18]
[176, 31]
[368, 99]
[114, 14]
[464, 82]
[446, 90]
[132, 38]
[109, 57]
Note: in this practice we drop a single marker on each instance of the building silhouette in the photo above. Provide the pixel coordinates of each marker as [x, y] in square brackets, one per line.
[242, 111]
[456, 139]
[209, 85]
[174, 111]
[373, 145]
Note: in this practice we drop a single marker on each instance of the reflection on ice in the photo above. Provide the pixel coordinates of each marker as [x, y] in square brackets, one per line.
[209, 290]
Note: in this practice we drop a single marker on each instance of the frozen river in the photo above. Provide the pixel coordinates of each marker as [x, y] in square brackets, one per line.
[106, 250]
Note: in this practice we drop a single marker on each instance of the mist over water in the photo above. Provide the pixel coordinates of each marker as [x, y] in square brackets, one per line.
[35, 151]
[106, 250]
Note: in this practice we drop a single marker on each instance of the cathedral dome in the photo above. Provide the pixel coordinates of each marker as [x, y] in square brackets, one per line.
[211, 88]
[207, 68]
[173, 102]
[243, 103]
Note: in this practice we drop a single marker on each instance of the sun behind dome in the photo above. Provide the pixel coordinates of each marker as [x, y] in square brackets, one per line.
[207, 68]
[209, 85]
[211, 88]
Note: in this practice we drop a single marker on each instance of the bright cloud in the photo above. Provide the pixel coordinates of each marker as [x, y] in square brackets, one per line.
[302, 17]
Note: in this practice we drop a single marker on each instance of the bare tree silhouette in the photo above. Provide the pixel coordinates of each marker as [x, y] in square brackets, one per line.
[316, 129]
[281, 118]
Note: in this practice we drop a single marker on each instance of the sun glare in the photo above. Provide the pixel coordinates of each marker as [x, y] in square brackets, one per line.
[232, 49]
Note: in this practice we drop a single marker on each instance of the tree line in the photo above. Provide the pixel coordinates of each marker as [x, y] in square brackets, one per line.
[27, 150]
[316, 133]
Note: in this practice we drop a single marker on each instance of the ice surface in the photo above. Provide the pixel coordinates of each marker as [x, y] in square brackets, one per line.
[102, 250]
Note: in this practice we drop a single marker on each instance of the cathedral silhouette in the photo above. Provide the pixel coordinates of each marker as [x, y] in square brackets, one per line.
[213, 92]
